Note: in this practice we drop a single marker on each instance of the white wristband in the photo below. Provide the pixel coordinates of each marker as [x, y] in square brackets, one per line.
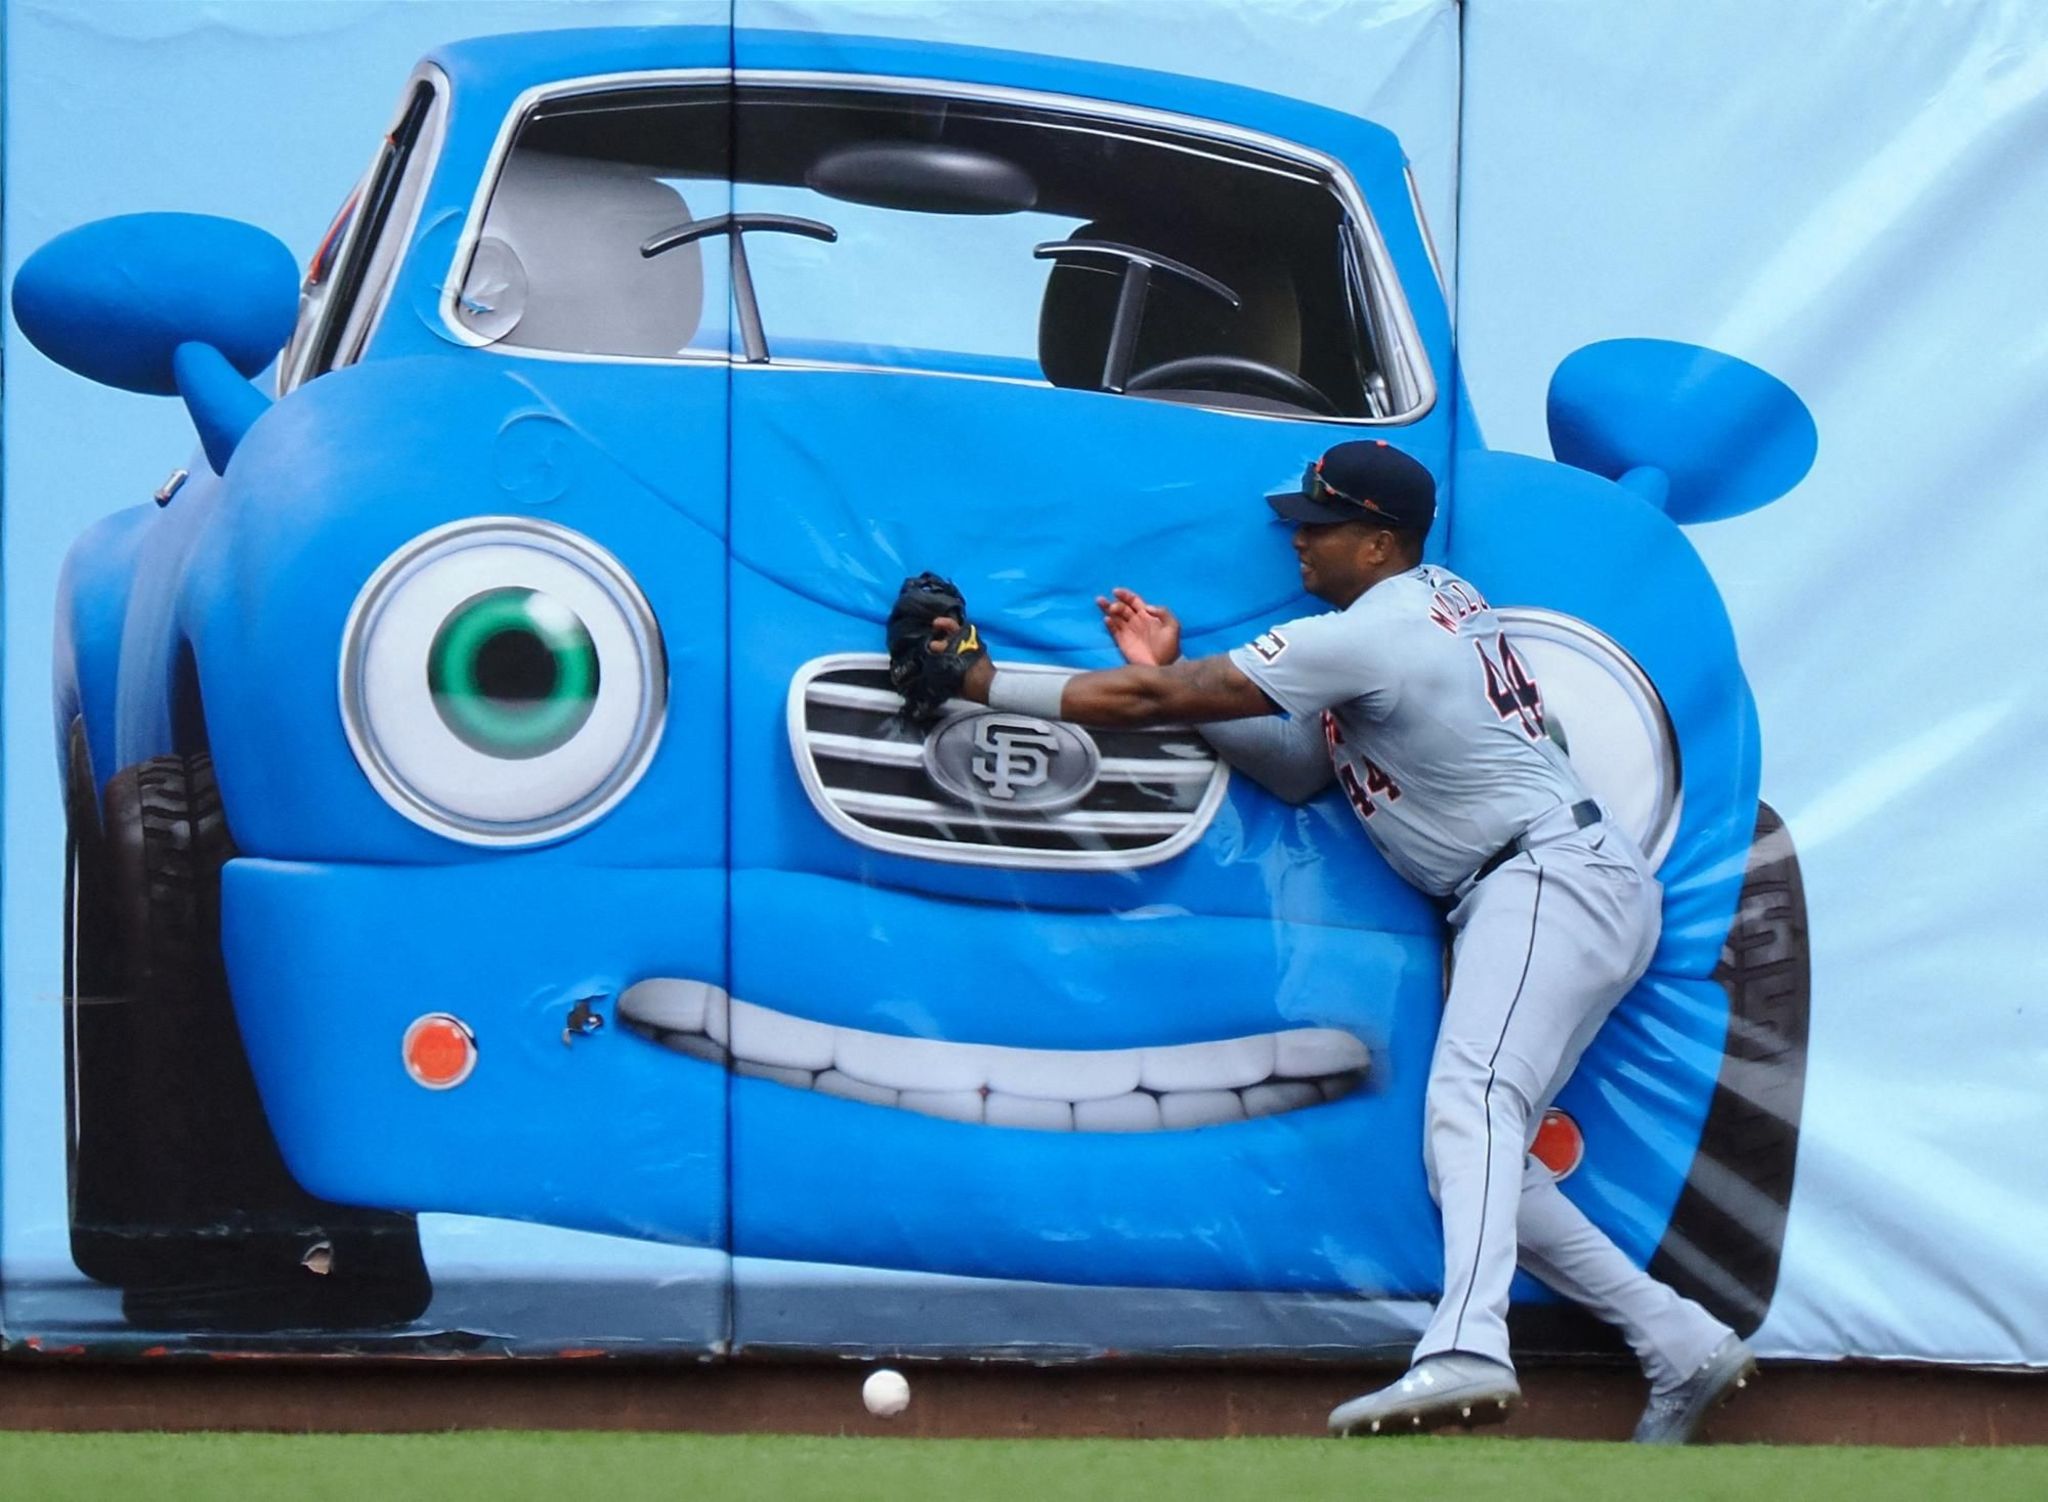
[1037, 694]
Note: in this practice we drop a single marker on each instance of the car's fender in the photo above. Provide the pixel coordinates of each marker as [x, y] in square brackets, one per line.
[352, 467]
[92, 608]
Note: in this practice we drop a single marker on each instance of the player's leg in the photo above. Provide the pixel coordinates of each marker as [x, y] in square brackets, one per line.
[1671, 1335]
[1693, 1361]
[1543, 950]
[1479, 1104]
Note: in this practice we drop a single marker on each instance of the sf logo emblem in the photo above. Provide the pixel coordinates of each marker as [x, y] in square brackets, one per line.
[1013, 762]
[1013, 755]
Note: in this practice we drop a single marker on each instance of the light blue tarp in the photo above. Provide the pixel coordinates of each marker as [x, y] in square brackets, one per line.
[1847, 196]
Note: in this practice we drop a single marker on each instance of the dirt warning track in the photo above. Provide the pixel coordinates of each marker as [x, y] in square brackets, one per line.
[1889, 1405]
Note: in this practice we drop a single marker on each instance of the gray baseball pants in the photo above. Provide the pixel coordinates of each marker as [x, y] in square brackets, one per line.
[1542, 949]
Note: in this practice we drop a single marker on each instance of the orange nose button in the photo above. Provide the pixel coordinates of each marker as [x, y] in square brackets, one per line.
[440, 1051]
[1560, 1145]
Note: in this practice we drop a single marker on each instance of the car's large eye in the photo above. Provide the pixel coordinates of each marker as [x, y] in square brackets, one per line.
[502, 681]
[1608, 716]
[514, 673]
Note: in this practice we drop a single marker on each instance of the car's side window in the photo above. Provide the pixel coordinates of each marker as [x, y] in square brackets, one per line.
[314, 294]
[1366, 305]
[351, 273]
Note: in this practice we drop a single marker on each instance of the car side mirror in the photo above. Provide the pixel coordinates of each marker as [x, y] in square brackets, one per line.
[166, 304]
[1702, 434]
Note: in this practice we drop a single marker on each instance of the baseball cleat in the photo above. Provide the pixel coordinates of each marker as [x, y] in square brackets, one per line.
[1450, 1388]
[1674, 1415]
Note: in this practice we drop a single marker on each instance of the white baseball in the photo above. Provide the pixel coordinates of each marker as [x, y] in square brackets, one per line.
[885, 1392]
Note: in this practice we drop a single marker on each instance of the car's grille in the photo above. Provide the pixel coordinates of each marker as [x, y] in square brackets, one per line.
[864, 765]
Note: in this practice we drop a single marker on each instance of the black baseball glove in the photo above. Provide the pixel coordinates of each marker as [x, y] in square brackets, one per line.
[926, 666]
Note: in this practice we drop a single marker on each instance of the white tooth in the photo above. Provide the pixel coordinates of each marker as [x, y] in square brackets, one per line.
[1223, 1065]
[771, 1037]
[677, 1005]
[1337, 1085]
[1306, 1053]
[910, 1063]
[954, 1105]
[832, 1082]
[1045, 1074]
[1193, 1108]
[1185, 1085]
[1023, 1111]
[1275, 1096]
[1136, 1112]
[799, 1079]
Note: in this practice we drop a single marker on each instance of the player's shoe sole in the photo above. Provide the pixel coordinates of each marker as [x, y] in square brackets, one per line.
[1409, 1407]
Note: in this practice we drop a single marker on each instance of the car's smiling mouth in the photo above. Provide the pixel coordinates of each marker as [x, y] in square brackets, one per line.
[1164, 1088]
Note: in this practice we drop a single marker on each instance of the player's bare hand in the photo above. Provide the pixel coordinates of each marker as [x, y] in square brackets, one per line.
[1146, 634]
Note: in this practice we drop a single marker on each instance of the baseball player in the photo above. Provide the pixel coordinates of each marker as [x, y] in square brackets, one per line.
[1410, 695]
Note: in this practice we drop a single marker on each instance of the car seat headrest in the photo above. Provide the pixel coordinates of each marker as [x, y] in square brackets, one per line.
[573, 228]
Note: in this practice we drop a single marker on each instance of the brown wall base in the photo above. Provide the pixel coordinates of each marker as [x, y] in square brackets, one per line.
[1889, 1405]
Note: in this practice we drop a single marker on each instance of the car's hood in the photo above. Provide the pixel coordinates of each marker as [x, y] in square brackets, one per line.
[1032, 498]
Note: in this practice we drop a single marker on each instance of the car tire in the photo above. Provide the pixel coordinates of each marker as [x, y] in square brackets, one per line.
[100, 1184]
[1727, 1230]
[179, 1195]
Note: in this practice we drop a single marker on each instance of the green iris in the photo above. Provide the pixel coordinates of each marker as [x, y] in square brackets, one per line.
[513, 673]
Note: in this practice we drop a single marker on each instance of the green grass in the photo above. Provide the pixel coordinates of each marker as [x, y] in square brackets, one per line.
[699, 1468]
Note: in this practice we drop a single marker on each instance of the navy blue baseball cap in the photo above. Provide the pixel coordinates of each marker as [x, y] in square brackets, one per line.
[1368, 480]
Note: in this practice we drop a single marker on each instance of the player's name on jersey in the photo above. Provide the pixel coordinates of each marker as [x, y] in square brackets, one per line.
[1457, 601]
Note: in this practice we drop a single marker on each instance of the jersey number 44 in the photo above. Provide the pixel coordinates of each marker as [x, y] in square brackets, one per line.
[1509, 686]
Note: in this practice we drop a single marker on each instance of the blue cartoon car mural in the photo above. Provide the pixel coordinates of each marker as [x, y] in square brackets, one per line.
[485, 796]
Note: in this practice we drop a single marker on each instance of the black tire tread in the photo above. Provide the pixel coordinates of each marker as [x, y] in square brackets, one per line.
[182, 1198]
[1727, 1231]
[99, 1180]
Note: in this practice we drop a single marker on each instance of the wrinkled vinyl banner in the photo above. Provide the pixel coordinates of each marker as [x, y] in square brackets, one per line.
[480, 890]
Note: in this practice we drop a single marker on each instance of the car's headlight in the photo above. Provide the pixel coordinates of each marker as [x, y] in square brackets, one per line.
[1610, 719]
[502, 681]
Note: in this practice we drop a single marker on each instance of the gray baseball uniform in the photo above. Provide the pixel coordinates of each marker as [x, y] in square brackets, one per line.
[1434, 727]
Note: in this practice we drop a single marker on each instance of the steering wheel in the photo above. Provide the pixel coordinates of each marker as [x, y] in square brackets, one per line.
[1239, 368]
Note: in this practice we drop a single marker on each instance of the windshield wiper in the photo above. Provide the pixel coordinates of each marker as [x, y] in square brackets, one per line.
[753, 342]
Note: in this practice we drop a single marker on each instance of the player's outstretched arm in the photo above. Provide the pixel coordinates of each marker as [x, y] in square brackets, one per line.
[1190, 691]
[1286, 757]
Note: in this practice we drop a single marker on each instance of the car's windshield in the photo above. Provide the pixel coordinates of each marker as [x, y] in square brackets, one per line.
[910, 231]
